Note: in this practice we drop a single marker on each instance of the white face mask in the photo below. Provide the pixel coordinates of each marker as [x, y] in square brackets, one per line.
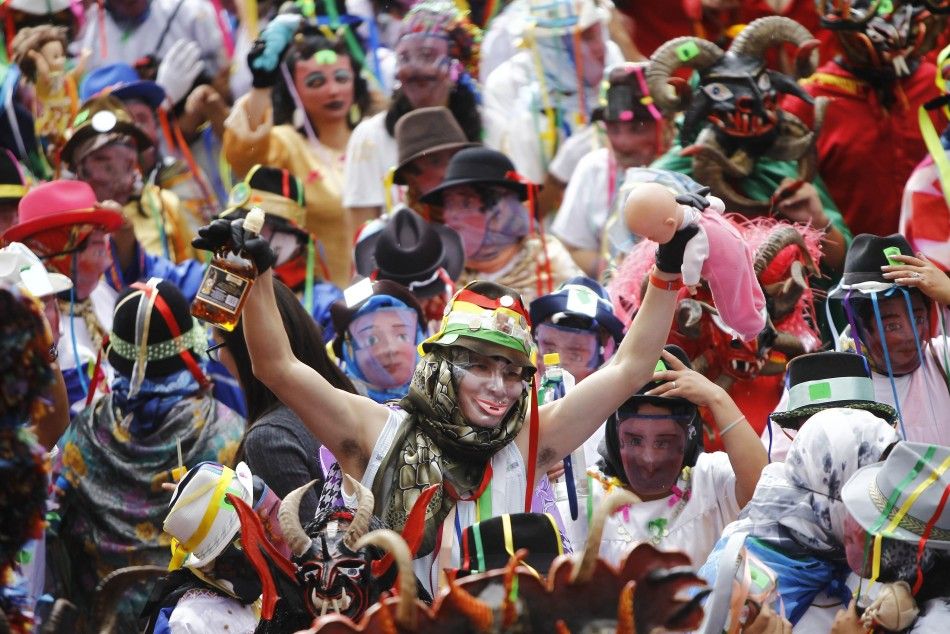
[286, 246]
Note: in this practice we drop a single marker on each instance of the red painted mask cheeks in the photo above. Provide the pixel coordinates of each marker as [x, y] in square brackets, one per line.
[488, 219]
[578, 349]
[652, 444]
[384, 345]
[486, 387]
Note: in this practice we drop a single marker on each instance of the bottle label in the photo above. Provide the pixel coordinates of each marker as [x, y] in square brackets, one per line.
[223, 289]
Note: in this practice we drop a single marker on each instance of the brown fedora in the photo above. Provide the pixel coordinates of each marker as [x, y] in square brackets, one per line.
[426, 130]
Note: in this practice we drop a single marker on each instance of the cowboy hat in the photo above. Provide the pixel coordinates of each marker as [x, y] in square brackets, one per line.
[61, 204]
[477, 166]
[900, 498]
[425, 131]
[411, 251]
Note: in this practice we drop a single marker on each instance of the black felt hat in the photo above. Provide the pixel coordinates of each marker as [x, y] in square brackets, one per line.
[822, 380]
[477, 166]
[276, 191]
[13, 183]
[164, 348]
[409, 250]
[863, 262]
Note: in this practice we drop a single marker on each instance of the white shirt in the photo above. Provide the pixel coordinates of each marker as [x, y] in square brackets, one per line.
[194, 21]
[507, 495]
[370, 153]
[208, 612]
[576, 147]
[514, 117]
[102, 299]
[694, 530]
[580, 220]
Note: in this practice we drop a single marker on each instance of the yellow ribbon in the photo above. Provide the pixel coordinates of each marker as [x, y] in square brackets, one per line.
[211, 511]
[901, 512]
[931, 138]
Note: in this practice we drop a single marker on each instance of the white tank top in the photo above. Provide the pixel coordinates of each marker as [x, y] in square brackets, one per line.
[507, 490]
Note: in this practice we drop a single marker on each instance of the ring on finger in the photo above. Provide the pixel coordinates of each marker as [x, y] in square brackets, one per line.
[915, 275]
[673, 384]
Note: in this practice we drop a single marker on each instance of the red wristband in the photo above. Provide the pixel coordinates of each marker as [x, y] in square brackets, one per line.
[666, 285]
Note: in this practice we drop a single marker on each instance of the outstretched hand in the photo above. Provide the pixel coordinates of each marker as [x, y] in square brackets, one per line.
[920, 272]
[681, 382]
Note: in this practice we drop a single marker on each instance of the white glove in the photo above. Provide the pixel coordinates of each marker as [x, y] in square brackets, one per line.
[179, 69]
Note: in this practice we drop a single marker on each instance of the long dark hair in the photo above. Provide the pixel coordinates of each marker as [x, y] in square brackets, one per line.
[462, 102]
[306, 340]
[306, 43]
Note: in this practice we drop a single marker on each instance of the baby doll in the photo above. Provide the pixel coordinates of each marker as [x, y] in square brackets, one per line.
[717, 253]
[40, 52]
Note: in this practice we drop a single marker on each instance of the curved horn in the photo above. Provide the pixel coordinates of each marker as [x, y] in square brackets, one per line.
[789, 344]
[288, 516]
[393, 543]
[477, 612]
[364, 511]
[766, 32]
[109, 593]
[778, 240]
[681, 51]
[614, 500]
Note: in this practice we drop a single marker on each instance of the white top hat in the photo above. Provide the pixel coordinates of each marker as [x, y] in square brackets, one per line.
[201, 518]
[20, 266]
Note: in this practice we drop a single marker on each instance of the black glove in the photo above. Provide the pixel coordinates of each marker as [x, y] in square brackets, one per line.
[260, 77]
[214, 237]
[252, 246]
[696, 199]
[669, 256]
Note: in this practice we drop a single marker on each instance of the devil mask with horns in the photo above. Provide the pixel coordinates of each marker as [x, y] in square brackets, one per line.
[731, 118]
[884, 39]
[328, 572]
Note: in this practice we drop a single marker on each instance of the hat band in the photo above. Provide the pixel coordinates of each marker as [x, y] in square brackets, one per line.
[502, 320]
[191, 340]
[12, 191]
[833, 389]
[907, 522]
[271, 204]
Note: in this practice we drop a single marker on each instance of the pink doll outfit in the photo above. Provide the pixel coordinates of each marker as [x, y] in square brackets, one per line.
[720, 255]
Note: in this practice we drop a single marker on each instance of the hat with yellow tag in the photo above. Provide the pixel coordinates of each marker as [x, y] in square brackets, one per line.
[201, 519]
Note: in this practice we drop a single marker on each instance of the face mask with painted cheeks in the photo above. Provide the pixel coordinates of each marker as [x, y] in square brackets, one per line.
[384, 345]
[486, 387]
[424, 69]
[652, 445]
[488, 219]
[578, 349]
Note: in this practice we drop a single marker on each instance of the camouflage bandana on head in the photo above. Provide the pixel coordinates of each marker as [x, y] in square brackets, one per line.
[436, 443]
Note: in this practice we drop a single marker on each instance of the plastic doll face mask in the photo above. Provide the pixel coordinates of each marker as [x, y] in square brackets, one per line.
[424, 69]
[488, 220]
[487, 387]
[652, 444]
[633, 142]
[384, 345]
[111, 171]
[578, 349]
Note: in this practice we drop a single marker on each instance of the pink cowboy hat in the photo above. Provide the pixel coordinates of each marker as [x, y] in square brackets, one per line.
[60, 204]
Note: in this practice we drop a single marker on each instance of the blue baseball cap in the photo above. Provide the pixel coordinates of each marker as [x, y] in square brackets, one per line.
[121, 81]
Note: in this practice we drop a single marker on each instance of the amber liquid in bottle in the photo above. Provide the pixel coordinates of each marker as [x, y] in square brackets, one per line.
[227, 282]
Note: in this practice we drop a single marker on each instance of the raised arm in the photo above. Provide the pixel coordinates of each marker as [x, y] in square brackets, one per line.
[568, 422]
[746, 453]
[347, 424]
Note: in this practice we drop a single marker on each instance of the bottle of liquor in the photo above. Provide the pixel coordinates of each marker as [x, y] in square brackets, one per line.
[227, 281]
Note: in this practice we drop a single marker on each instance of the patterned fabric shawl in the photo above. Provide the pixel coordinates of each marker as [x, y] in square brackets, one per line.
[113, 504]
